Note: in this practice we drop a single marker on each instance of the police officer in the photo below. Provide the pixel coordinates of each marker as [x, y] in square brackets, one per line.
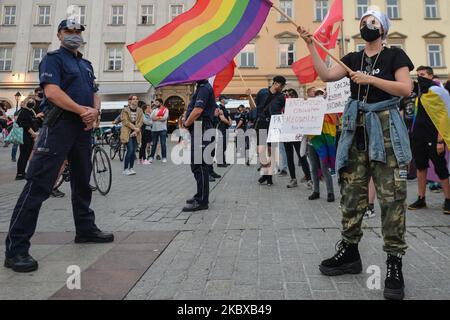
[241, 119]
[199, 119]
[72, 108]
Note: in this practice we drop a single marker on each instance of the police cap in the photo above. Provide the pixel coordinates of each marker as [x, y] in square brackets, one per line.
[70, 24]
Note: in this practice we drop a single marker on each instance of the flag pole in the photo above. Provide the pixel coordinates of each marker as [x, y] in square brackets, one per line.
[245, 84]
[317, 42]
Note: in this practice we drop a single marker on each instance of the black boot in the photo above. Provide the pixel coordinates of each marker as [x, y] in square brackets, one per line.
[269, 180]
[314, 196]
[262, 179]
[419, 204]
[394, 285]
[21, 263]
[346, 260]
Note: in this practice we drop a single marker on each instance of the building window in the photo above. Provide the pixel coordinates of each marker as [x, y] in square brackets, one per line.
[393, 10]
[247, 56]
[5, 59]
[147, 15]
[435, 55]
[114, 59]
[396, 45]
[44, 15]
[80, 14]
[431, 9]
[361, 7]
[117, 16]
[286, 7]
[175, 10]
[36, 58]
[321, 9]
[9, 15]
[287, 54]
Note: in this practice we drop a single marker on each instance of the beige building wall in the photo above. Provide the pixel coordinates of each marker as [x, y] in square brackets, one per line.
[267, 49]
[411, 30]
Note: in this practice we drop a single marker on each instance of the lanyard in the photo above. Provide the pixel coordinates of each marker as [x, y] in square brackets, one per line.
[373, 68]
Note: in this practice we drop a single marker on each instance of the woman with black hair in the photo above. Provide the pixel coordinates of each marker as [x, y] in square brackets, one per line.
[26, 119]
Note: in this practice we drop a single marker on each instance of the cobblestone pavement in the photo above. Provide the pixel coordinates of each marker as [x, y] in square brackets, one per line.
[255, 242]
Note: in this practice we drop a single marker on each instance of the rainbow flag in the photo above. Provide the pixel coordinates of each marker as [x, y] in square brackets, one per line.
[325, 144]
[199, 43]
[436, 103]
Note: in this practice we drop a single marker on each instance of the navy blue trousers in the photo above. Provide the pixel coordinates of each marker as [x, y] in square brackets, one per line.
[199, 167]
[66, 140]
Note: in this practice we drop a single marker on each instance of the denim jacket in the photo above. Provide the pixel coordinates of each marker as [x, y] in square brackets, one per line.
[398, 132]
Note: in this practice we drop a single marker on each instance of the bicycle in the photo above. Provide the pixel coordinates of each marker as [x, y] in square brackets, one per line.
[116, 147]
[101, 170]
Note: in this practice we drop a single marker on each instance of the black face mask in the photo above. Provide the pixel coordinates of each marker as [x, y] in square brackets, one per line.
[31, 104]
[370, 35]
[425, 84]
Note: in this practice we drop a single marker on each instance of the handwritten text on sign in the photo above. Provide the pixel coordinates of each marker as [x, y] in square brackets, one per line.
[302, 117]
[338, 94]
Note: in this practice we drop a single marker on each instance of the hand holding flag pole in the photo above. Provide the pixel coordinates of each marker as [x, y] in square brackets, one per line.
[317, 42]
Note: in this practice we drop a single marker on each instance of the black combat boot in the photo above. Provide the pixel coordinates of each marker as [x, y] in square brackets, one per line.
[346, 260]
[419, 204]
[394, 285]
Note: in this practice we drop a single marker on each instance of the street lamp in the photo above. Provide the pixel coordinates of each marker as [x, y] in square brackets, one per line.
[17, 96]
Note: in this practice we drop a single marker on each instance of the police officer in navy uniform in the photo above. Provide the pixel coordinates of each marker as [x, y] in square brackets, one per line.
[199, 119]
[72, 109]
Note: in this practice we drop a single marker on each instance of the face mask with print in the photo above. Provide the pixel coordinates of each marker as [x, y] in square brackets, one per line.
[72, 41]
[370, 33]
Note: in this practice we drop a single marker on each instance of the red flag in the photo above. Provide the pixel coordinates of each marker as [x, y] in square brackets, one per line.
[222, 79]
[304, 68]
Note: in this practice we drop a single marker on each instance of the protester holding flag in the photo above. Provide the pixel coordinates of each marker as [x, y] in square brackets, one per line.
[374, 143]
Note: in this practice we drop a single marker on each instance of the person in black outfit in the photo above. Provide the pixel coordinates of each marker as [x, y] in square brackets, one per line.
[290, 147]
[27, 121]
[427, 144]
[215, 122]
[224, 124]
[269, 101]
[241, 119]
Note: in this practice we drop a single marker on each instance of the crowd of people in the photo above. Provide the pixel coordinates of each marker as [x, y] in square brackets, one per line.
[378, 143]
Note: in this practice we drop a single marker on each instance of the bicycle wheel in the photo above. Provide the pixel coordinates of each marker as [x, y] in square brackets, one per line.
[122, 151]
[112, 151]
[101, 169]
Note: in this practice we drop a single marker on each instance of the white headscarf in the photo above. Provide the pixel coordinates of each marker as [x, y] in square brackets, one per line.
[380, 16]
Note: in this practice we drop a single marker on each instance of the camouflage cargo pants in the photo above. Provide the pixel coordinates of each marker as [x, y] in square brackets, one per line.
[390, 184]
